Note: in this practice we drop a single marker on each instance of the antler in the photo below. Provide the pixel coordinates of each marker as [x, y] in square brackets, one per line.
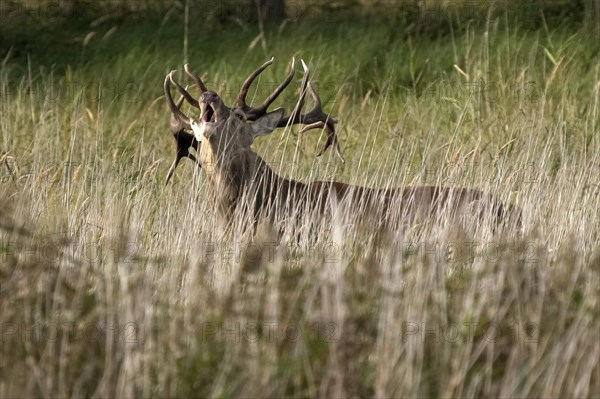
[314, 119]
[179, 122]
[183, 118]
[252, 113]
[189, 98]
[195, 78]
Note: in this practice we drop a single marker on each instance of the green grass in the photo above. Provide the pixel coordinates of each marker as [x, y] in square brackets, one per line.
[113, 284]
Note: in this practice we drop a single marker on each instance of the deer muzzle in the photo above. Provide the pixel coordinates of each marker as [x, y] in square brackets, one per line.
[207, 113]
[210, 107]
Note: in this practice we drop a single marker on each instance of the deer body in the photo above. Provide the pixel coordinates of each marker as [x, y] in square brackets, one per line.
[241, 180]
[237, 175]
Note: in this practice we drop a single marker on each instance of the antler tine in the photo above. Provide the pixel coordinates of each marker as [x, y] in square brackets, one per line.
[296, 115]
[174, 108]
[332, 138]
[180, 101]
[195, 78]
[172, 169]
[297, 112]
[175, 122]
[241, 101]
[190, 99]
[181, 153]
[315, 118]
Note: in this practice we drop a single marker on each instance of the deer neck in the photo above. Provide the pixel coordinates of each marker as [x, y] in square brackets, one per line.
[241, 178]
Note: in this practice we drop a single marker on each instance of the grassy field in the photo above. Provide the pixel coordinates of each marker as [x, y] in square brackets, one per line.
[113, 284]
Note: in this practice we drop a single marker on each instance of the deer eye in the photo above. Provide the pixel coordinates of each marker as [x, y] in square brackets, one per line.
[240, 114]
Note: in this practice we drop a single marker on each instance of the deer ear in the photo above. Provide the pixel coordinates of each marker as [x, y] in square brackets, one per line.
[266, 123]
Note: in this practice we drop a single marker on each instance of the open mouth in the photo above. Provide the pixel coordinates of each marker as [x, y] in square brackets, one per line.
[208, 114]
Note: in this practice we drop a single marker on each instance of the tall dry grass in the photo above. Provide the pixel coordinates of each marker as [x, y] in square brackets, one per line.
[114, 285]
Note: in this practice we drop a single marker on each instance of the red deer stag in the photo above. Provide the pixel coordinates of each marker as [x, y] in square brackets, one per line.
[240, 179]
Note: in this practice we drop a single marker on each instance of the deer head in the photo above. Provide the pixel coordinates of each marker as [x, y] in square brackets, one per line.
[220, 127]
